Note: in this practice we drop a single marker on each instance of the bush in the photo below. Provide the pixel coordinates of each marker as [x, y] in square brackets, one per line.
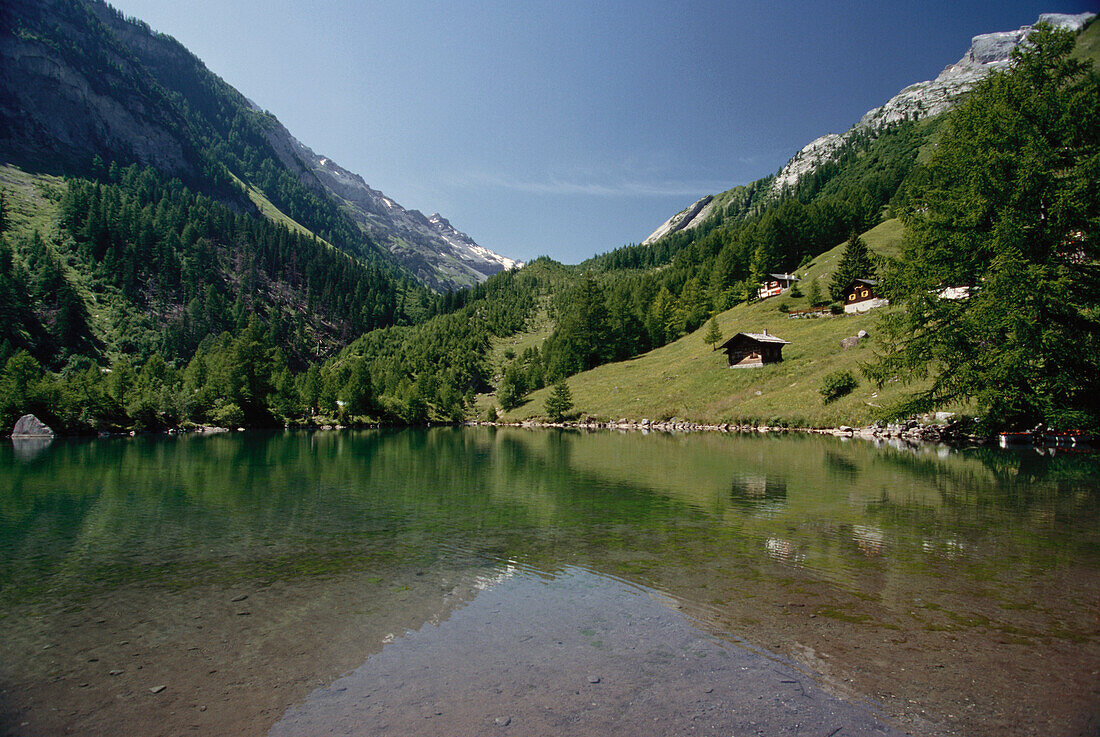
[836, 385]
[227, 414]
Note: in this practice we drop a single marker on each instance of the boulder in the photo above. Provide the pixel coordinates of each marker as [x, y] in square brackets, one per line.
[850, 342]
[30, 426]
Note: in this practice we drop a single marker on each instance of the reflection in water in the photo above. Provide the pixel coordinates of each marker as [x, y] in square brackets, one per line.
[784, 551]
[764, 495]
[27, 449]
[868, 539]
[344, 539]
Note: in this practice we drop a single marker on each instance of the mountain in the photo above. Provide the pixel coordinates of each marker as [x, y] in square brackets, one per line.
[79, 80]
[430, 247]
[987, 52]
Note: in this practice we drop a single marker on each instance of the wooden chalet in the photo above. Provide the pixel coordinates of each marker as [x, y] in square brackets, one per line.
[775, 285]
[751, 350]
[862, 295]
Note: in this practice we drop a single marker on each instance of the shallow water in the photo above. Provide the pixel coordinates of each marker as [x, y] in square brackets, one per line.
[936, 590]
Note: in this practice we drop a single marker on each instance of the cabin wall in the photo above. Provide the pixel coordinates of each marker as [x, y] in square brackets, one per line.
[754, 357]
[865, 304]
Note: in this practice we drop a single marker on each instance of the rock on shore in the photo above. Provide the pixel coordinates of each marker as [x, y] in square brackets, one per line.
[30, 426]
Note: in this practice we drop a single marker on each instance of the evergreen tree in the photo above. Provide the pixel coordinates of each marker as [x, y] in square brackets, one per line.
[814, 293]
[714, 333]
[559, 401]
[660, 322]
[692, 307]
[855, 263]
[1008, 206]
[511, 390]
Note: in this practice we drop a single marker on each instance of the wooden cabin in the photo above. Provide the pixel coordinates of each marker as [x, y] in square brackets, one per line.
[862, 295]
[775, 285]
[751, 350]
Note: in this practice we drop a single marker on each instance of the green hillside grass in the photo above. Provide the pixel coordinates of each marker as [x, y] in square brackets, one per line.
[273, 213]
[32, 202]
[689, 381]
[1088, 43]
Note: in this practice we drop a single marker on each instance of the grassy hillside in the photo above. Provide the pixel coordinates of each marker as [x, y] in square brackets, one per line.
[689, 381]
[1088, 43]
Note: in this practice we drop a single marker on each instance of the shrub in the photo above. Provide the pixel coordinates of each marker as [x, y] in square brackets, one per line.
[836, 385]
[227, 414]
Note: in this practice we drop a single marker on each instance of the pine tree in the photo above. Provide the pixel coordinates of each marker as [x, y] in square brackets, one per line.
[814, 293]
[559, 402]
[714, 333]
[855, 263]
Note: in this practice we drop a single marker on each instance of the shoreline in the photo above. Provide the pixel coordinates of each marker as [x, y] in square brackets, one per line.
[913, 432]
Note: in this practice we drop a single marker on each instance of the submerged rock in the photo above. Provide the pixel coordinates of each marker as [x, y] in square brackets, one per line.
[30, 426]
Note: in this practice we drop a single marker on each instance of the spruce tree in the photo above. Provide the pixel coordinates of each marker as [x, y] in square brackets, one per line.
[559, 402]
[855, 263]
[714, 333]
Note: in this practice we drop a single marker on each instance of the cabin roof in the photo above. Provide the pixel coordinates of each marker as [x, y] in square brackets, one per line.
[868, 282]
[784, 277]
[758, 337]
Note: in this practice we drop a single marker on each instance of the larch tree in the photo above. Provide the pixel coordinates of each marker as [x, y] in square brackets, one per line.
[1008, 206]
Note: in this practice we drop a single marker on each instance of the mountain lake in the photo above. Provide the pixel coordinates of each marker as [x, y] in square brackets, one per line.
[512, 581]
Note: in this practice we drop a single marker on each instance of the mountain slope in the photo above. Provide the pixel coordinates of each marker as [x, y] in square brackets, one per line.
[919, 101]
[78, 80]
[688, 380]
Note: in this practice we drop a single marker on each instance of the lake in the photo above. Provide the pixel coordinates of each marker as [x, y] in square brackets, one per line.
[481, 580]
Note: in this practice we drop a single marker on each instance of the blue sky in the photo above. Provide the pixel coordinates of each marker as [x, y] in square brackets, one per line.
[571, 128]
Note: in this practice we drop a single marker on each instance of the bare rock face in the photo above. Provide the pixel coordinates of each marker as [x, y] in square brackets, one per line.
[438, 254]
[30, 426]
[51, 111]
[683, 220]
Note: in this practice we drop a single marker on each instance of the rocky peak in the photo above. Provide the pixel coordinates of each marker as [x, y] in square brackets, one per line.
[987, 52]
[686, 219]
[431, 248]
